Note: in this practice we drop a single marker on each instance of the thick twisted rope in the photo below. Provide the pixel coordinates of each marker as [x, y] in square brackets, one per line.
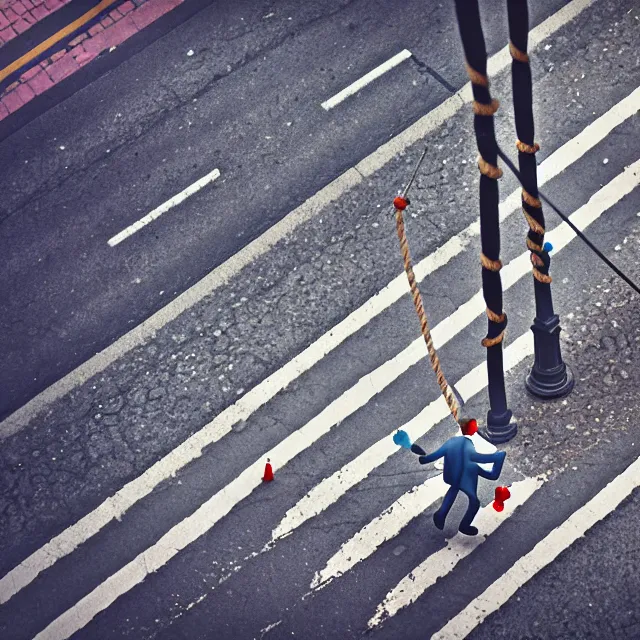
[518, 18]
[400, 203]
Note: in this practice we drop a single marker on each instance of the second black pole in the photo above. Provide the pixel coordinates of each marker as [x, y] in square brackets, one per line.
[549, 377]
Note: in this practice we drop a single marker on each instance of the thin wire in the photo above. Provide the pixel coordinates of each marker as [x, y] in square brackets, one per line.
[577, 231]
[415, 172]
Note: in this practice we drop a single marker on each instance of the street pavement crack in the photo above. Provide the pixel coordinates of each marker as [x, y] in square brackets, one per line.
[400, 473]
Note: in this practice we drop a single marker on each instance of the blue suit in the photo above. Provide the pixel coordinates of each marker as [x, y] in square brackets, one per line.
[461, 471]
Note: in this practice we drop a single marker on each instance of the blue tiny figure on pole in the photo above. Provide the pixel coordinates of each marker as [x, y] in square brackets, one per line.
[461, 471]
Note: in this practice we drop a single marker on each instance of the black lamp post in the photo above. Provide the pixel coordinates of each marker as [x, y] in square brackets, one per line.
[499, 426]
[549, 377]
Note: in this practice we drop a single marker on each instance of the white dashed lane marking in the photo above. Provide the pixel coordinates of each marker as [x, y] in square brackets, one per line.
[366, 79]
[163, 208]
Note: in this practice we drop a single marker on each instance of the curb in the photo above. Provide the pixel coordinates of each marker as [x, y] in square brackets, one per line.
[60, 71]
[102, 28]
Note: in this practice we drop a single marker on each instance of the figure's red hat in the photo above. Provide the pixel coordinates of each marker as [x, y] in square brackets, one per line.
[469, 427]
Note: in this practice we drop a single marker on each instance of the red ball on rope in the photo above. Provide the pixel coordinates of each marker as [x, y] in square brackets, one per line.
[400, 203]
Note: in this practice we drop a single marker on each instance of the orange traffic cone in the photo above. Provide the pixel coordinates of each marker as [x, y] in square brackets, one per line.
[268, 472]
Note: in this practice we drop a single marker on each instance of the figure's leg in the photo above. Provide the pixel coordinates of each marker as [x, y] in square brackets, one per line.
[441, 514]
[472, 510]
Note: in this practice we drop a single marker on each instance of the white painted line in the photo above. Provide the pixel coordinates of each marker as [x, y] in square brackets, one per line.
[543, 554]
[438, 565]
[219, 505]
[329, 490]
[306, 211]
[366, 79]
[386, 526]
[163, 208]
[391, 521]
[268, 628]
[137, 489]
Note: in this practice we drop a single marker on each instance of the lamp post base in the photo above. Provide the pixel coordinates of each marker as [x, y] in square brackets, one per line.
[499, 428]
[550, 384]
[549, 377]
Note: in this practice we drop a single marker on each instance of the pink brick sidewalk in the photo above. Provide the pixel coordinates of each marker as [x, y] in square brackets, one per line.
[16, 16]
[121, 23]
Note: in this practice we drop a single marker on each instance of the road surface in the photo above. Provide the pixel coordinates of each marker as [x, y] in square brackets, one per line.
[133, 505]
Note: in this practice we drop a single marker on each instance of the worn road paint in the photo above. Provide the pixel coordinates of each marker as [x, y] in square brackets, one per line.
[391, 521]
[438, 565]
[163, 208]
[366, 79]
[386, 526]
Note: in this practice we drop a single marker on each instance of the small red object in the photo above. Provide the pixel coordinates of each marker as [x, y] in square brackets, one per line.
[502, 494]
[470, 427]
[268, 472]
[400, 203]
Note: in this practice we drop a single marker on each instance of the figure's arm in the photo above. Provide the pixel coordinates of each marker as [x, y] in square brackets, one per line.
[424, 459]
[419, 450]
[497, 459]
[482, 458]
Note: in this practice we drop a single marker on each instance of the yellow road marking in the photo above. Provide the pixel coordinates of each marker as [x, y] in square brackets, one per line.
[49, 42]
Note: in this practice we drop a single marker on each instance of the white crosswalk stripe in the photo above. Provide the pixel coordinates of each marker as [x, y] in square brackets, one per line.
[459, 547]
[118, 504]
[327, 492]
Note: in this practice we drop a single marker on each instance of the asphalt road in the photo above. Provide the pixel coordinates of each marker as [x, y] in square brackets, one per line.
[106, 433]
[247, 102]
[591, 591]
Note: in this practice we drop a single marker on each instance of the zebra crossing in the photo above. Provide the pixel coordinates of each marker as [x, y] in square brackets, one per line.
[351, 545]
[117, 505]
[442, 562]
